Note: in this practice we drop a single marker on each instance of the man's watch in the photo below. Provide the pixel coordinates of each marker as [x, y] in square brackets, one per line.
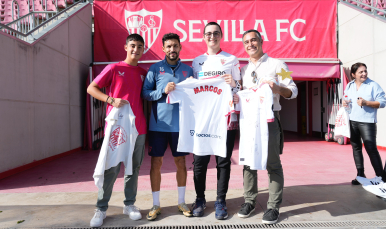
[237, 88]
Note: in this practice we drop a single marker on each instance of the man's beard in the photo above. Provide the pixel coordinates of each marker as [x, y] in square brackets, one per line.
[175, 58]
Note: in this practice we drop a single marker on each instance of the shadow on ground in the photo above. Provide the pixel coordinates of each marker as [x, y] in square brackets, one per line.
[301, 203]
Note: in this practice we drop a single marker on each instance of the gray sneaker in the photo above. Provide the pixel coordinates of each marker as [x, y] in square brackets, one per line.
[98, 218]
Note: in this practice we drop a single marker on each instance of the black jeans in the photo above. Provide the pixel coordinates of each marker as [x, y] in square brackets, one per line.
[368, 133]
[223, 169]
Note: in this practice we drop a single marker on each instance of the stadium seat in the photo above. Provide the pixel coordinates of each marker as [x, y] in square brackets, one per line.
[6, 14]
[352, 2]
[367, 2]
[61, 3]
[51, 5]
[37, 6]
[70, 1]
[23, 7]
[381, 5]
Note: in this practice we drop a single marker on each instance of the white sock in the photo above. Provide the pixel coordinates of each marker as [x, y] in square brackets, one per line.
[181, 194]
[156, 198]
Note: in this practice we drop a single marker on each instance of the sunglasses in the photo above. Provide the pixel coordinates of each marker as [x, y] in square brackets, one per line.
[254, 77]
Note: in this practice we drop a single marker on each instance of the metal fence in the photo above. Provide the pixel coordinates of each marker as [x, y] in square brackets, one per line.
[375, 7]
[31, 24]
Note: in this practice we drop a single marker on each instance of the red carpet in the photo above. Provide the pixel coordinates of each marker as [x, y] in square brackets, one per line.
[306, 161]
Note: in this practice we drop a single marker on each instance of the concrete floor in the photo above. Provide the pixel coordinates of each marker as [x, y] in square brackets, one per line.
[301, 204]
[61, 193]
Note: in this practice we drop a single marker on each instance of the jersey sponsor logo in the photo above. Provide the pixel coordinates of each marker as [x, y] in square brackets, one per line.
[120, 116]
[121, 73]
[146, 23]
[223, 61]
[118, 137]
[192, 132]
[161, 69]
[253, 89]
[208, 136]
[247, 100]
[185, 73]
[210, 73]
[207, 88]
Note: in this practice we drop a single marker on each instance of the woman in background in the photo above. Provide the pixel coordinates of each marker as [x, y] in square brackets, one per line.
[366, 97]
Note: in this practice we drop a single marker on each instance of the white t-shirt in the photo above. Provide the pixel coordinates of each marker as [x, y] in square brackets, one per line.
[255, 106]
[210, 66]
[118, 144]
[204, 107]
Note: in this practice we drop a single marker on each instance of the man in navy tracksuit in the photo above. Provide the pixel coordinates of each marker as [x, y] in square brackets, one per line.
[164, 120]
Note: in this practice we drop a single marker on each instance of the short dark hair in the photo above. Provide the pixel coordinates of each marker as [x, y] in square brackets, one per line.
[170, 36]
[213, 23]
[135, 37]
[354, 67]
[252, 31]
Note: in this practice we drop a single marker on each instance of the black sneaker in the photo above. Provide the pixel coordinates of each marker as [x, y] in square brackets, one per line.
[271, 216]
[355, 182]
[246, 210]
[221, 209]
[198, 207]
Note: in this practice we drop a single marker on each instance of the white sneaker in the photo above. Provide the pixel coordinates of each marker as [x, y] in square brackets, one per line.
[98, 218]
[133, 212]
[378, 190]
[374, 181]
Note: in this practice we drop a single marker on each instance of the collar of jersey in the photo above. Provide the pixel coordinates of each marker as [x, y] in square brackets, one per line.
[216, 53]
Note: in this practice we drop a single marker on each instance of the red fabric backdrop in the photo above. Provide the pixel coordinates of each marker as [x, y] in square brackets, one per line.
[293, 29]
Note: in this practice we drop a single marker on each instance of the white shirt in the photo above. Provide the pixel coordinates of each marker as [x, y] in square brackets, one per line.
[204, 107]
[255, 106]
[268, 67]
[118, 144]
[210, 66]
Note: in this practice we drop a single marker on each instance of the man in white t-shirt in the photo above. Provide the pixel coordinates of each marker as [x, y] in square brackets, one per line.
[214, 63]
[260, 66]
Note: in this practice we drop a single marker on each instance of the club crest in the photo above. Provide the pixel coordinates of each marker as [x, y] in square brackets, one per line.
[261, 99]
[223, 61]
[118, 137]
[147, 24]
[185, 73]
[191, 132]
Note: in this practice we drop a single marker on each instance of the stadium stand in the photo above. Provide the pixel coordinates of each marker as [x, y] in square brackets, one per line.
[377, 7]
[382, 6]
[9, 11]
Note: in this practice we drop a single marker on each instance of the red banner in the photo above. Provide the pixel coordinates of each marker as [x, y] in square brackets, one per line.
[290, 29]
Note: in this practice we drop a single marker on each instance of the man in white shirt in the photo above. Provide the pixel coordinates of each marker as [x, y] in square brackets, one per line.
[261, 66]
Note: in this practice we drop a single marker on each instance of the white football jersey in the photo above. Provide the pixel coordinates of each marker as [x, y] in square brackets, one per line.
[256, 110]
[210, 66]
[118, 144]
[204, 106]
